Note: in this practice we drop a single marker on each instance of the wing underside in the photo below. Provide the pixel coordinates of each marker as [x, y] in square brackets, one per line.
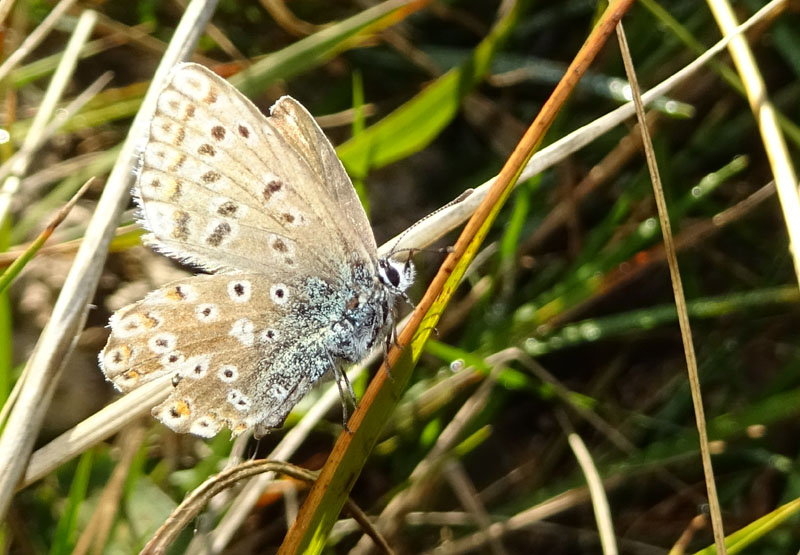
[225, 187]
[238, 355]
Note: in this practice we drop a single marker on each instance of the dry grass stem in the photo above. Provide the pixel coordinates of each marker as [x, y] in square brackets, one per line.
[69, 312]
[680, 298]
[766, 118]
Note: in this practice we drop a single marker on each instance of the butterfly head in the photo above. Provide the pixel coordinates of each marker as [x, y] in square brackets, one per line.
[396, 275]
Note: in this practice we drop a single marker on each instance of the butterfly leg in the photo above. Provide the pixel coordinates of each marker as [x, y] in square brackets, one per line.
[389, 342]
[407, 300]
[341, 376]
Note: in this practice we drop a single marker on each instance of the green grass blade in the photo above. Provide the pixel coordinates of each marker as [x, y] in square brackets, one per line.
[420, 120]
[64, 539]
[316, 49]
[756, 530]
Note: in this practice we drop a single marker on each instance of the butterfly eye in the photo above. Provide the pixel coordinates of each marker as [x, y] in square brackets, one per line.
[388, 274]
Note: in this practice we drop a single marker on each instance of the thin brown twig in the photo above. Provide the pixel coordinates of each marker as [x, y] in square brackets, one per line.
[66, 247]
[191, 507]
[139, 35]
[219, 36]
[696, 524]
[524, 519]
[680, 298]
[66, 209]
[600, 174]
[465, 490]
[288, 21]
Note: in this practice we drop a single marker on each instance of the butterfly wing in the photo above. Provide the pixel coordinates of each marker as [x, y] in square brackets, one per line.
[224, 187]
[236, 356]
[311, 144]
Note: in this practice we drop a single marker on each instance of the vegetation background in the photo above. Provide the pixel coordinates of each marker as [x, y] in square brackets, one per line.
[563, 335]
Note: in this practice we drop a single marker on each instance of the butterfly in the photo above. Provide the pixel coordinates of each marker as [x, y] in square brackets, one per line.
[297, 288]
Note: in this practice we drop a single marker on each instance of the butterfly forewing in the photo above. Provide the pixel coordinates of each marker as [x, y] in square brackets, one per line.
[224, 187]
[308, 140]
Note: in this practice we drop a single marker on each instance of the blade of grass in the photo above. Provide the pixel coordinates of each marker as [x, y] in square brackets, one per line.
[322, 46]
[16, 267]
[322, 507]
[65, 534]
[357, 127]
[639, 321]
[56, 196]
[19, 163]
[756, 530]
[766, 118]
[730, 76]
[448, 219]
[87, 433]
[596, 268]
[281, 65]
[193, 504]
[6, 334]
[70, 310]
[602, 510]
[420, 120]
[42, 67]
[429, 469]
[36, 37]
[98, 528]
[680, 297]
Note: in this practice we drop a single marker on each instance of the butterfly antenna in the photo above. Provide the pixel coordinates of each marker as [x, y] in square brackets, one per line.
[411, 251]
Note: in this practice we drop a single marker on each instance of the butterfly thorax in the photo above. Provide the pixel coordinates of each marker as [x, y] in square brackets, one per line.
[367, 308]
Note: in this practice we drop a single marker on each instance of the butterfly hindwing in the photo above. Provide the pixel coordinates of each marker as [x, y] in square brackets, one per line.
[225, 339]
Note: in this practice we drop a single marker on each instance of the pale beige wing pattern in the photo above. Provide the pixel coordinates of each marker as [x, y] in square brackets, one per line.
[235, 359]
[224, 187]
[310, 142]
